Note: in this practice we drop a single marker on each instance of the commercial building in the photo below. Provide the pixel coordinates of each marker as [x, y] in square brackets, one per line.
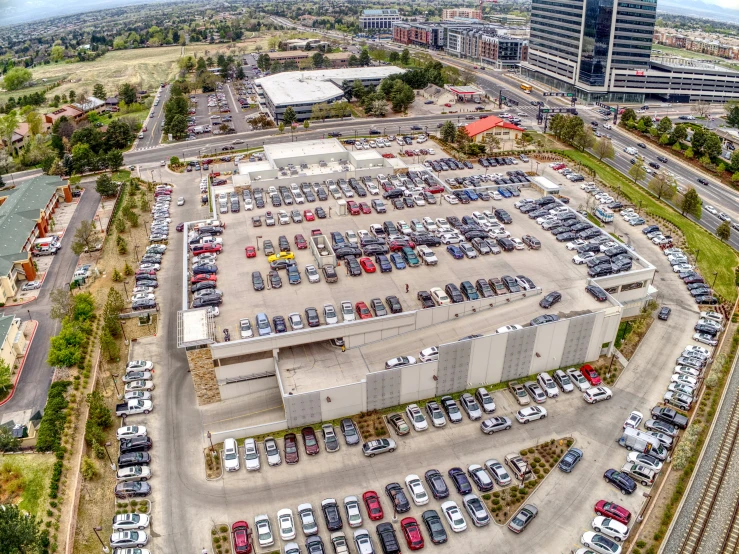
[505, 131]
[503, 19]
[303, 44]
[337, 59]
[378, 20]
[301, 90]
[467, 13]
[601, 49]
[25, 215]
[425, 35]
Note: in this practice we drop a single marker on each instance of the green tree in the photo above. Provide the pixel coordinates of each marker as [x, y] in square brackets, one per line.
[604, 149]
[405, 57]
[462, 138]
[628, 115]
[105, 186]
[723, 231]
[86, 237]
[364, 58]
[734, 166]
[732, 114]
[118, 136]
[353, 61]
[663, 186]
[306, 124]
[448, 132]
[174, 161]
[358, 90]
[61, 303]
[281, 127]
[6, 381]
[98, 91]
[491, 142]
[637, 171]
[89, 469]
[57, 53]
[114, 158]
[16, 78]
[698, 140]
[289, 116]
[318, 60]
[679, 133]
[664, 125]
[8, 443]
[35, 123]
[178, 126]
[127, 93]
[402, 96]
[583, 139]
[8, 124]
[691, 203]
[19, 532]
[393, 57]
[712, 146]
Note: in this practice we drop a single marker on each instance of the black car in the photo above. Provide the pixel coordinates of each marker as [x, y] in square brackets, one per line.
[135, 444]
[570, 459]
[550, 300]
[320, 212]
[483, 288]
[132, 489]
[256, 280]
[203, 301]
[454, 293]
[621, 481]
[331, 514]
[469, 291]
[434, 526]
[345, 251]
[664, 313]
[274, 280]
[353, 266]
[394, 304]
[703, 181]
[461, 483]
[311, 316]
[425, 297]
[350, 432]
[542, 319]
[205, 269]
[387, 538]
[314, 544]
[375, 249]
[510, 284]
[397, 497]
[502, 216]
[596, 292]
[278, 322]
[133, 459]
[145, 304]
[425, 239]
[436, 483]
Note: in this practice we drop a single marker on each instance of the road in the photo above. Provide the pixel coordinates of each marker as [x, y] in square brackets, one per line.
[35, 380]
[153, 134]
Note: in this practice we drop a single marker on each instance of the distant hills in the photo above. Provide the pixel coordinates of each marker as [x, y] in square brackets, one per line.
[698, 8]
[13, 12]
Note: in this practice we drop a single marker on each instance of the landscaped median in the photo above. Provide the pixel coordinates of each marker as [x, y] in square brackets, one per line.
[715, 256]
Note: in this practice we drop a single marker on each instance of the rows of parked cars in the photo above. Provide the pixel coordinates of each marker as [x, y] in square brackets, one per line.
[205, 243]
[133, 468]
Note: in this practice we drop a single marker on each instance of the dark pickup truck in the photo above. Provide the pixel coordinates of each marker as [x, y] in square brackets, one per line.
[669, 415]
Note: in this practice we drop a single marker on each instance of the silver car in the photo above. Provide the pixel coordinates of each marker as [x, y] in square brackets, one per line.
[478, 513]
[272, 451]
[251, 455]
[534, 390]
[307, 519]
[495, 424]
[470, 405]
[498, 472]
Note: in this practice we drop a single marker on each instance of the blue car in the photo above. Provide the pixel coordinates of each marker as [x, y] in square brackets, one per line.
[455, 251]
[383, 263]
[504, 192]
[461, 483]
[397, 260]
[471, 194]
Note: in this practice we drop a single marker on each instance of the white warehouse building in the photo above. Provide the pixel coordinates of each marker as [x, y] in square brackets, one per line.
[301, 90]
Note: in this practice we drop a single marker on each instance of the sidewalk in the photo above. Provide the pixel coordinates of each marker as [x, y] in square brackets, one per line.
[29, 328]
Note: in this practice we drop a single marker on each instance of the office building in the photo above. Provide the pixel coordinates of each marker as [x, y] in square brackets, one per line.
[378, 20]
[601, 49]
[425, 35]
[467, 13]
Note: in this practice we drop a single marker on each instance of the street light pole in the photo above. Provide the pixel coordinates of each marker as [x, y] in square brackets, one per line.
[115, 384]
[210, 438]
[125, 290]
[96, 529]
[112, 465]
[125, 339]
[715, 276]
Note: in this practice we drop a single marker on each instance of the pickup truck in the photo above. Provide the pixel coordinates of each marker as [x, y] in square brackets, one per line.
[134, 407]
[669, 415]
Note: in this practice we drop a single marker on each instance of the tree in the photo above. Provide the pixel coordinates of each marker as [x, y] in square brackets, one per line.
[35, 123]
[637, 171]
[98, 91]
[105, 186]
[448, 132]
[628, 115]
[127, 93]
[691, 204]
[679, 133]
[664, 125]
[281, 127]
[8, 124]
[700, 108]
[19, 532]
[604, 149]
[712, 146]
[358, 90]
[16, 78]
[306, 124]
[6, 381]
[118, 136]
[645, 123]
[353, 61]
[8, 443]
[402, 96]
[393, 57]
[319, 111]
[86, 237]
[723, 231]
[462, 138]
[663, 186]
[178, 126]
[318, 60]
[732, 114]
[289, 116]
[57, 53]
[734, 166]
[364, 58]
[61, 303]
[114, 158]
[583, 139]
[405, 57]
[492, 142]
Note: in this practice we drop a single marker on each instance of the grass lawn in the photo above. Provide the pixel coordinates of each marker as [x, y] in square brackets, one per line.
[4, 94]
[668, 50]
[24, 480]
[715, 256]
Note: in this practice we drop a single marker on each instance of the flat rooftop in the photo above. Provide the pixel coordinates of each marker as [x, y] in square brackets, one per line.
[291, 150]
[294, 87]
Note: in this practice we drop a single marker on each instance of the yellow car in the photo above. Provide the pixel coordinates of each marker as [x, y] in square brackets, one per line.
[281, 256]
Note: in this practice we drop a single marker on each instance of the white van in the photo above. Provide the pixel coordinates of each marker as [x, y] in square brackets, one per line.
[639, 441]
[231, 455]
[630, 150]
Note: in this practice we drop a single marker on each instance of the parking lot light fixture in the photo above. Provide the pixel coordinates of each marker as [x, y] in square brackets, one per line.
[97, 529]
[112, 465]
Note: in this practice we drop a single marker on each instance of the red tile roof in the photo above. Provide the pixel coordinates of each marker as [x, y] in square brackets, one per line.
[485, 124]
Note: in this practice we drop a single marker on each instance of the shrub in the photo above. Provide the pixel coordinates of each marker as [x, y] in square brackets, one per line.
[89, 470]
[117, 277]
[52, 423]
[223, 529]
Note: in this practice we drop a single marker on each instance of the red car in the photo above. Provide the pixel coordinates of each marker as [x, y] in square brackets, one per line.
[203, 277]
[300, 242]
[145, 272]
[205, 248]
[180, 227]
[365, 208]
[292, 456]
[397, 245]
[437, 189]
[367, 265]
[609, 509]
[308, 215]
[590, 375]
[315, 232]
[251, 252]
[309, 441]
[208, 161]
[412, 533]
[372, 503]
[353, 207]
[215, 174]
[388, 155]
[241, 533]
[362, 310]
[448, 105]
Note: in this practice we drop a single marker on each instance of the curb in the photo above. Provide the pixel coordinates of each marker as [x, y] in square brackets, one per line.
[23, 363]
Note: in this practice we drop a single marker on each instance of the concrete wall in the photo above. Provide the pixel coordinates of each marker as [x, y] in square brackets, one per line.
[343, 399]
[243, 432]
[241, 388]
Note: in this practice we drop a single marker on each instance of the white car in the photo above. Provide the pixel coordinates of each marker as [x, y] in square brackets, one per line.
[286, 524]
[139, 385]
[307, 519]
[531, 413]
[580, 259]
[272, 451]
[644, 459]
[611, 528]
[705, 338]
[137, 395]
[430, 225]
[31, 285]
[264, 531]
[135, 539]
[130, 431]
[453, 516]
[578, 379]
[133, 473]
[508, 328]
[451, 237]
[597, 394]
[329, 314]
[684, 379]
[693, 350]
[296, 322]
[634, 420]
[231, 455]
[711, 210]
[245, 329]
[347, 312]
[443, 225]
[518, 243]
[575, 244]
[418, 420]
[417, 491]
[251, 455]
[312, 273]
[353, 512]
[451, 199]
[126, 522]
[439, 297]
[429, 354]
[547, 384]
[600, 543]
[139, 365]
[400, 361]
[681, 268]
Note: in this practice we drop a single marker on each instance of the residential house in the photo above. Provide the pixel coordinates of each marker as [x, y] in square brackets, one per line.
[505, 131]
[12, 340]
[70, 112]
